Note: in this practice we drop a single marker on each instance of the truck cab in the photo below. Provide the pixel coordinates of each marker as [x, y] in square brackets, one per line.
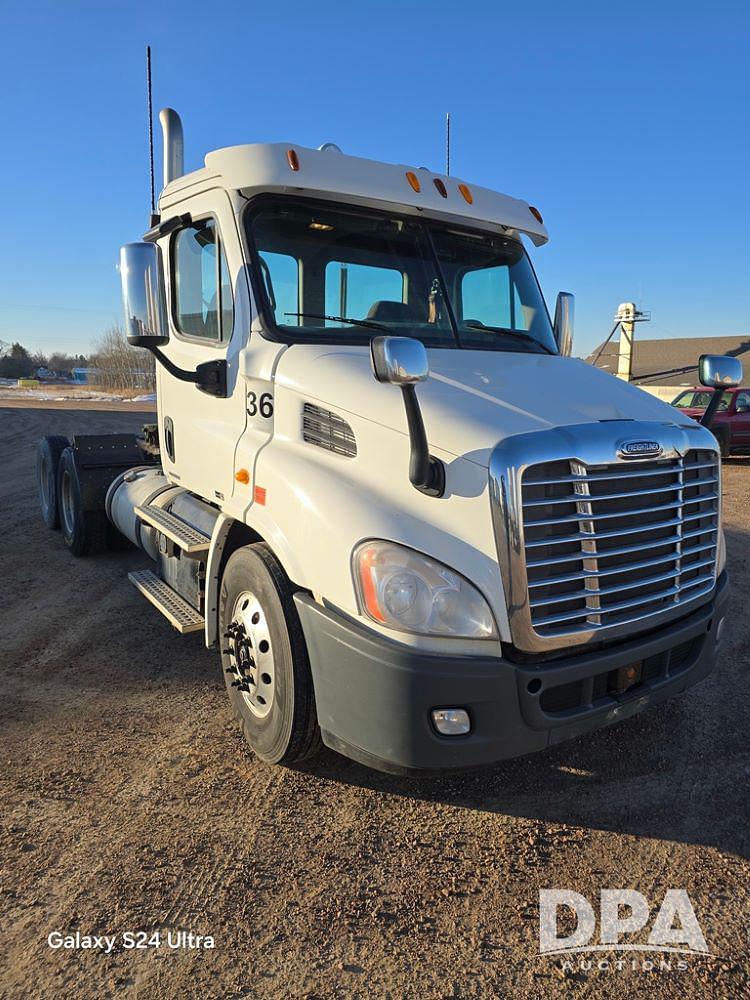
[417, 530]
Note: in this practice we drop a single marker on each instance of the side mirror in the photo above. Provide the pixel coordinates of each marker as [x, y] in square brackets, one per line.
[399, 360]
[403, 361]
[146, 325]
[143, 295]
[564, 316]
[719, 371]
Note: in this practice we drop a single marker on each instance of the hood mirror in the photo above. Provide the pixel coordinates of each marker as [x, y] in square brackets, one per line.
[403, 361]
[718, 371]
[399, 360]
[564, 315]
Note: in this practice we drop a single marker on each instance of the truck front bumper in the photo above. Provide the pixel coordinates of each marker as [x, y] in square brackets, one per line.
[375, 696]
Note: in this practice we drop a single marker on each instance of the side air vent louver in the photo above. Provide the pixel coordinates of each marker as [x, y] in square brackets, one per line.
[327, 430]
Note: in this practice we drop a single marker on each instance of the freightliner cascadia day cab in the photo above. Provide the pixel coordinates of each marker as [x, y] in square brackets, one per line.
[417, 530]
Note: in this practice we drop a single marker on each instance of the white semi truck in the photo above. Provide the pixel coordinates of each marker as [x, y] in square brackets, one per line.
[522, 550]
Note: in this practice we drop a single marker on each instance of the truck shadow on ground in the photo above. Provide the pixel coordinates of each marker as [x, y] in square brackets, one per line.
[641, 777]
[677, 772]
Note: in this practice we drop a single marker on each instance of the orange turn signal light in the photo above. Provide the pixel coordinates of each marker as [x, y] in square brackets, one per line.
[537, 214]
[369, 591]
[413, 180]
[242, 476]
[293, 159]
[466, 193]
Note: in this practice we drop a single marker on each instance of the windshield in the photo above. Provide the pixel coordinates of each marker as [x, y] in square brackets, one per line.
[698, 399]
[343, 274]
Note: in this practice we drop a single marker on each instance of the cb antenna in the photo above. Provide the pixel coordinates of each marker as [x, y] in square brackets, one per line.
[150, 132]
[448, 144]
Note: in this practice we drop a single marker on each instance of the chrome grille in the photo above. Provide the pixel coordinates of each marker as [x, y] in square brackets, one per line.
[608, 545]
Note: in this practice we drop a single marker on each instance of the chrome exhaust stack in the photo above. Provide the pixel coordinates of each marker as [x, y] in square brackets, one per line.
[174, 145]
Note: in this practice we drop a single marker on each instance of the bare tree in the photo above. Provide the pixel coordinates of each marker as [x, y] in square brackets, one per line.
[120, 366]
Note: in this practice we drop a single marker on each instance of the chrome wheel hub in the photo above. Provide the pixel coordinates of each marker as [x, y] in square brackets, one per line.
[250, 654]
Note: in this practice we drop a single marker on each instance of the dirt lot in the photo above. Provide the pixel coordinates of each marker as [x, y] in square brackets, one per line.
[129, 802]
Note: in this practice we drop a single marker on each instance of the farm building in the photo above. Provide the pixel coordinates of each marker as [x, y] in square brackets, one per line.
[663, 367]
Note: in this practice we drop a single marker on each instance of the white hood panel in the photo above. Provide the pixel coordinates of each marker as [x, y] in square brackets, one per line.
[472, 399]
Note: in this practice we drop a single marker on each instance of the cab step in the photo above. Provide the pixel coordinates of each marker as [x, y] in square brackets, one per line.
[187, 538]
[174, 608]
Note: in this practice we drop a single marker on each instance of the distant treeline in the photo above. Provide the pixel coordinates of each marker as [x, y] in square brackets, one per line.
[17, 362]
[113, 364]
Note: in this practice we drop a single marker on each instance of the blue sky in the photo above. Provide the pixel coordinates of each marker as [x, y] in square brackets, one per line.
[627, 123]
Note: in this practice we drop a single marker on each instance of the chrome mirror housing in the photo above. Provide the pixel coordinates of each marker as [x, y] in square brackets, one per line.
[403, 361]
[143, 296]
[399, 360]
[718, 371]
[564, 316]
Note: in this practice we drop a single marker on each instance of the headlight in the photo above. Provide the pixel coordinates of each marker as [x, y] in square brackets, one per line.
[404, 590]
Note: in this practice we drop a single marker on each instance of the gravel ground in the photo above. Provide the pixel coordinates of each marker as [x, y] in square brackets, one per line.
[130, 803]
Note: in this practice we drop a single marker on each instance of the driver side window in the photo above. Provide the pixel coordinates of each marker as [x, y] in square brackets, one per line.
[203, 307]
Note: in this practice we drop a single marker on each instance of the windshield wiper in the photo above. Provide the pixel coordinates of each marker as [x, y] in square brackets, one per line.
[518, 334]
[370, 323]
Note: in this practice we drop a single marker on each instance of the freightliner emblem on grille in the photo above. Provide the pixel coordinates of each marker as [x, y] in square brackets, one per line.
[640, 449]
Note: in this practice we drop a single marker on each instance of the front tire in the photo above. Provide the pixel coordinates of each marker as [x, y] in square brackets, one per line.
[264, 656]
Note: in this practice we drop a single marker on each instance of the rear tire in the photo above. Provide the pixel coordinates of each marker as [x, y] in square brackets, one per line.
[48, 452]
[85, 532]
[266, 667]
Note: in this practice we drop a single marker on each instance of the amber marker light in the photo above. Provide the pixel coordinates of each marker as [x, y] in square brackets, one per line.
[440, 186]
[293, 159]
[537, 214]
[466, 194]
[367, 562]
[242, 476]
[413, 180]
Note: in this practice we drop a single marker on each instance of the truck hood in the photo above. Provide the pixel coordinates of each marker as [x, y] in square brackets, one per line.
[472, 399]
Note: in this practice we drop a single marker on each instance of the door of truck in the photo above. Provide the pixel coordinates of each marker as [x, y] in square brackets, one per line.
[204, 272]
[740, 420]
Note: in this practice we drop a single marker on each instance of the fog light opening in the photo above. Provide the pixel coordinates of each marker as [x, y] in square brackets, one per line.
[451, 721]
[535, 686]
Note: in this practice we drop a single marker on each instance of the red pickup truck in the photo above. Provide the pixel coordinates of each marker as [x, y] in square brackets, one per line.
[731, 424]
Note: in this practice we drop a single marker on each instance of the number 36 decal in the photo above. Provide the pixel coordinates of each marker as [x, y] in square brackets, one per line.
[262, 405]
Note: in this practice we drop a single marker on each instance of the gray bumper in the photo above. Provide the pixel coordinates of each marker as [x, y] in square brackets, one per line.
[374, 696]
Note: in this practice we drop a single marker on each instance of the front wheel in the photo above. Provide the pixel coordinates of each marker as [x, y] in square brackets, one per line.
[264, 656]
